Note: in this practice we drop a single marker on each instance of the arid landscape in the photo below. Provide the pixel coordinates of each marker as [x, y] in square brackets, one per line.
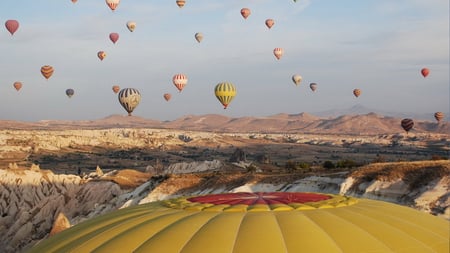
[81, 169]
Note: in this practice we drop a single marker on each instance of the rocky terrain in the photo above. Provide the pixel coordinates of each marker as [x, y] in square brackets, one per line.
[57, 173]
[32, 199]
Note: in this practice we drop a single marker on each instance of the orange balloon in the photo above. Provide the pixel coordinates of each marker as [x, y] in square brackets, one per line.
[356, 92]
[245, 12]
[181, 3]
[47, 71]
[17, 85]
[167, 96]
[116, 88]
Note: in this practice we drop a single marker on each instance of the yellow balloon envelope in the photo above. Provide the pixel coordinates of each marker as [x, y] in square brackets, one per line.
[225, 92]
[257, 222]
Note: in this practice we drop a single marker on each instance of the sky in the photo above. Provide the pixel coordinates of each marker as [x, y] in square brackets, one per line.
[376, 46]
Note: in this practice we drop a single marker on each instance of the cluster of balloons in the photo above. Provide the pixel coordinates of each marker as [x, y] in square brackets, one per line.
[225, 92]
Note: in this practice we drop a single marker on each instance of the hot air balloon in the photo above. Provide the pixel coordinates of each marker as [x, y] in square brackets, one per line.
[278, 52]
[181, 3]
[131, 25]
[116, 88]
[167, 96]
[407, 124]
[199, 37]
[47, 71]
[101, 55]
[74, 1]
[12, 26]
[439, 116]
[180, 80]
[70, 92]
[17, 85]
[297, 79]
[425, 72]
[112, 4]
[114, 37]
[129, 98]
[245, 12]
[263, 222]
[357, 92]
[269, 23]
[313, 86]
[225, 92]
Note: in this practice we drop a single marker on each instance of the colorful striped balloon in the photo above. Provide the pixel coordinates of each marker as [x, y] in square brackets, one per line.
[407, 124]
[439, 116]
[112, 4]
[180, 81]
[129, 98]
[47, 71]
[225, 92]
[278, 52]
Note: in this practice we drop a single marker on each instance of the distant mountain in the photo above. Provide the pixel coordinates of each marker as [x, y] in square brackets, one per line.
[350, 123]
[359, 109]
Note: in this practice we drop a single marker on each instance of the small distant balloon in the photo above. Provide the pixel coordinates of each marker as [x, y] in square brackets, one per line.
[297, 79]
[129, 98]
[181, 3]
[17, 85]
[407, 124]
[101, 55]
[180, 80]
[131, 25]
[199, 37]
[116, 88]
[313, 86]
[47, 71]
[245, 12]
[12, 26]
[278, 52]
[167, 96]
[114, 37]
[225, 92]
[74, 1]
[425, 72]
[439, 116]
[269, 23]
[70, 92]
[112, 4]
[357, 92]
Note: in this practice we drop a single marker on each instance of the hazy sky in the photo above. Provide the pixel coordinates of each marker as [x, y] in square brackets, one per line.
[376, 46]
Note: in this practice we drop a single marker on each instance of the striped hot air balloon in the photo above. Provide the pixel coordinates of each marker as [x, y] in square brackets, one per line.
[12, 26]
[357, 92]
[17, 85]
[439, 116]
[47, 71]
[129, 98]
[407, 124]
[180, 81]
[225, 92]
[112, 4]
[278, 52]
